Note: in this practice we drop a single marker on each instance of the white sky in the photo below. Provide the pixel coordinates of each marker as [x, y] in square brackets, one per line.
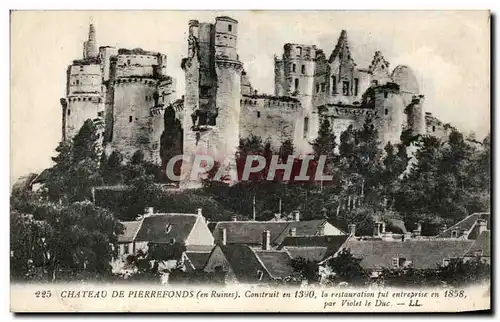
[449, 52]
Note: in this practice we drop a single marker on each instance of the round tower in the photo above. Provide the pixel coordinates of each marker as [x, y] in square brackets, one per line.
[228, 70]
[410, 92]
[389, 105]
[298, 69]
[83, 97]
[90, 46]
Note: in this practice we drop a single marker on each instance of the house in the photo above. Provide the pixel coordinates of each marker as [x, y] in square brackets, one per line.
[126, 242]
[177, 237]
[467, 227]
[249, 232]
[240, 263]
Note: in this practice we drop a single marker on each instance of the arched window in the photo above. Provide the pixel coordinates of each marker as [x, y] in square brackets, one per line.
[229, 28]
[294, 68]
[300, 50]
[296, 84]
[433, 129]
[303, 69]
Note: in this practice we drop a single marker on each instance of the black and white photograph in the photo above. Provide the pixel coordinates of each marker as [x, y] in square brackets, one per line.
[250, 161]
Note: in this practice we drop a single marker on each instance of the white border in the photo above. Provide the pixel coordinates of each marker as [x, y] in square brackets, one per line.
[187, 5]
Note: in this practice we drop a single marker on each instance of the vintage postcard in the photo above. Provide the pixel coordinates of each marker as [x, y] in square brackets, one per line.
[250, 161]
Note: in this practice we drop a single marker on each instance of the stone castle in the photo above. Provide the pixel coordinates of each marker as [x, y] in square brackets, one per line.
[132, 100]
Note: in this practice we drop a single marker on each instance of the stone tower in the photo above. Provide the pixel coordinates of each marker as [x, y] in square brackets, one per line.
[140, 91]
[84, 99]
[294, 76]
[213, 93]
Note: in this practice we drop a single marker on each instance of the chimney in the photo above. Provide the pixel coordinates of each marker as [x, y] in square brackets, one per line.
[296, 215]
[234, 218]
[376, 229]
[383, 227]
[482, 225]
[352, 229]
[443, 228]
[266, 240]
[223, 236]
[293, 231]
[277, 216]
[464, 233]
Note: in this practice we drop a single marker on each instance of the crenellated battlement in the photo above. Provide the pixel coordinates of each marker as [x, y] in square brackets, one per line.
[348, 112]
[85, 98]
[146, 80]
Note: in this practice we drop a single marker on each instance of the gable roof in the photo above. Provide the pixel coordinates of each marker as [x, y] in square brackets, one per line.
[130, 229]
[198, 259]
[243, 261]
[467, 223]
[249, 232]
[483, 243]
[425, 253]
[311, 253]
[154, 228]
[342, 43]
[277, 263]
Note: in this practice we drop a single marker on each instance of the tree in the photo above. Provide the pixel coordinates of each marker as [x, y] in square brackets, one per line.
[76, 240]
[346, 268]
[325, 144]
[76, 168]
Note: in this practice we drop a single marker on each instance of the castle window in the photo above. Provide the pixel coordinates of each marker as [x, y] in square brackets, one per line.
[77, 82]
[79, 99]
[258, 114]
[69, 112]
[99, 114]
[81, 68]
[300, 50]
[306, 127]
[303, 69]
[433, 129]
[128, 61]
[323, 87]
[345, 88]
[205, 91]
[130, 119]
[317, 88]
[356, 86]
[146, 98]
[230, 28]
[386, 94]
[454, 234]
[296, 84]
[375, 82]
[294, 68]
[386, 111]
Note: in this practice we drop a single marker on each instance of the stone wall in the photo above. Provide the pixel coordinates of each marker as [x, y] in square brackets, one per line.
[133, 123]
[272, 119]
[79, 108]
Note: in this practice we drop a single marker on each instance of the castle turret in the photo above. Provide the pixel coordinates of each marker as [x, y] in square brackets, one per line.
[228, 69]
[90, 46]
[390, 107]
[141, 91]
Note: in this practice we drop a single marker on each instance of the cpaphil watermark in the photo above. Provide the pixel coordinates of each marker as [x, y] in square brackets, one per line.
[198, 167]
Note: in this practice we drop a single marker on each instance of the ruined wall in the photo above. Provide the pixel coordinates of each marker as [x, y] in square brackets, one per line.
[84, 77]
[133, 123]
[137, 62]
[272, 119]
[279, 77]
[416, 115]
[341, 117]
[437, 128]
[391, 118]
[322, 86]
[105, 54]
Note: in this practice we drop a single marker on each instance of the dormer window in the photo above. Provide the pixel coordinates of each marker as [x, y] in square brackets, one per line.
[446, 262]
[454, 233]
[478, 252]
